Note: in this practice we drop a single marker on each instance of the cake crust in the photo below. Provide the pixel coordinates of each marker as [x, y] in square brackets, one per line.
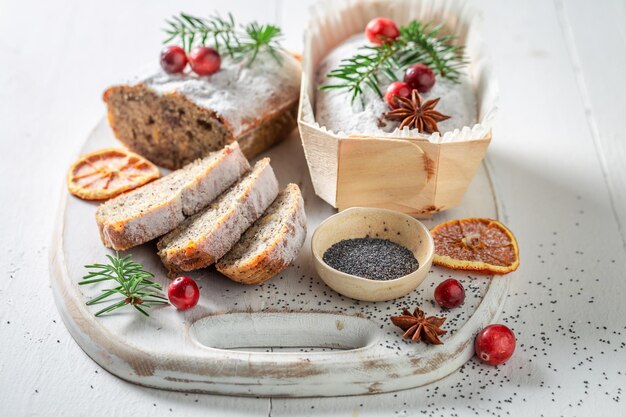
[156, 208]
[207, 236]
[173, 119]
[271, 244]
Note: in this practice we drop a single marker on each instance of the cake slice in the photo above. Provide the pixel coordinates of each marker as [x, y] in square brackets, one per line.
[205, 237]
[158, 207]
[271, 244]
[172, 119]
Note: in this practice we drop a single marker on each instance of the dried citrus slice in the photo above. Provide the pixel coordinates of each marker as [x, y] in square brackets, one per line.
[103, 174]
[474, 244]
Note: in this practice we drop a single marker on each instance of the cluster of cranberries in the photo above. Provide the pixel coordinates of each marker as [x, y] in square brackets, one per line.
[203, 60]
[417, 77]
[495, 343]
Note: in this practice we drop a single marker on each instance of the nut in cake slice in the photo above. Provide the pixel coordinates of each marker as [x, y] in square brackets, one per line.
[271, 244]
[207, 236]
[156, 208]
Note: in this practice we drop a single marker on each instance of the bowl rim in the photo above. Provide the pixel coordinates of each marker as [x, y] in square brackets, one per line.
[373, 282]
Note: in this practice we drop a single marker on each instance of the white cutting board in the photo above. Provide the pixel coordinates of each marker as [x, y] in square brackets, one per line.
[291, 336]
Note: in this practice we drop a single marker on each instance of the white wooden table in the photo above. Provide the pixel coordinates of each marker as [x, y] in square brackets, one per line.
[557, 156]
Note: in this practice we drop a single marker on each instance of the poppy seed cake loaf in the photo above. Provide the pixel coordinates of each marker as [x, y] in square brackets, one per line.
[271, 244]
[158, 207]
[207, 236]
[173, 119]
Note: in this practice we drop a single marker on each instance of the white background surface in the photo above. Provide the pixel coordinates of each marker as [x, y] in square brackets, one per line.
[558, 158]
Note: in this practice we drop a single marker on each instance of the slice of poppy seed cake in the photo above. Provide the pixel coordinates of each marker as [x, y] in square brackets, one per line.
[271, 244]
[207, 236]
[156, 208]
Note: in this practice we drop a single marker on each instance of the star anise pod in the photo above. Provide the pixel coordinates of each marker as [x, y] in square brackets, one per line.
[417, 114]
[418, 327]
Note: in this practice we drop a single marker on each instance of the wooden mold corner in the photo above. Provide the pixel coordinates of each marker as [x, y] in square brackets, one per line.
[388, 173]
[458, 163]
[321, 152]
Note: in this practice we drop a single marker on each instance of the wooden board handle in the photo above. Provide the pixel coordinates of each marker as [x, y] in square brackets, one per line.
[239, 331]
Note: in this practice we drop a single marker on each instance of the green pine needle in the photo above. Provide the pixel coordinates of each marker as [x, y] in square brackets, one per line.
[417, 43]
[135, 286]
[236, 41]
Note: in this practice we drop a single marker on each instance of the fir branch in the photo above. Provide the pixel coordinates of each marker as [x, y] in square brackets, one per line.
[237, 41]
[135, 285]
[261, 37]
[417, 43]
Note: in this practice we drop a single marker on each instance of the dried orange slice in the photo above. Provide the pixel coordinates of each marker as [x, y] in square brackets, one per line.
[103, 174]
[474, 244]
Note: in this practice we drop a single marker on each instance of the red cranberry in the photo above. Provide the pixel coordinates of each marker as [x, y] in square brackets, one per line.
[173, 59]
[494, 344]
[420, 78]
[397, 88]
[204, 60]
[381, 30]
[183, 293]
[450, 293]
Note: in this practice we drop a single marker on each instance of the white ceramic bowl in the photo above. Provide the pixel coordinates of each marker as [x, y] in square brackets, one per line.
[358, 222]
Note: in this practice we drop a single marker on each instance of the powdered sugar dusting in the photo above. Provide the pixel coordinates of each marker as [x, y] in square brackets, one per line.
[336, 112]
[240, 93]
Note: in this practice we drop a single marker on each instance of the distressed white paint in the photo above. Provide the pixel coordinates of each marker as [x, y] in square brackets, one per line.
[600, 78]
[544, 161]
[183, 351]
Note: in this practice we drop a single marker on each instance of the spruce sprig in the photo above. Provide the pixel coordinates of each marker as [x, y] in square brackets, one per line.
[134, 285]
[237, 41]
[417, 43]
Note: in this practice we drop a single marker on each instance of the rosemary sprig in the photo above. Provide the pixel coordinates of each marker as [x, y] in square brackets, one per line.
[417, 43]
[237, 41]
[134, 284]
